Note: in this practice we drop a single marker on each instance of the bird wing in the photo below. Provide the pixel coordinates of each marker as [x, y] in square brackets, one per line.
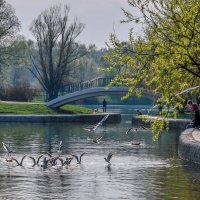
[38, 160]
[6, 147]
[101, 122]
[49, 154]
[22, 160]
[75, 156]
[98, 139]
[15, 160]
[129, 130]
[187, 90]
[82, 155]
[104, 119]
[89, 128]
[109, 156]
[34, 162]
[60, 146]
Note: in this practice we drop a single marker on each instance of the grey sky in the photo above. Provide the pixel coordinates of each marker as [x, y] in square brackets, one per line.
[101, 17]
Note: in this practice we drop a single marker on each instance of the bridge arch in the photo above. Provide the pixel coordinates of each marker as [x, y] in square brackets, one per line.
[86, 93]
[92, 88]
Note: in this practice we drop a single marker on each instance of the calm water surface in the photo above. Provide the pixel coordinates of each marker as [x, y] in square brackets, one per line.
[149, 171]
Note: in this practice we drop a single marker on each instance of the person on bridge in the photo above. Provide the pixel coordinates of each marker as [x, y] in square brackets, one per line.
[104, 105]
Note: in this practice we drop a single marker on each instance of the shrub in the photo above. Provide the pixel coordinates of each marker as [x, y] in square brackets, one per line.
[21, 92]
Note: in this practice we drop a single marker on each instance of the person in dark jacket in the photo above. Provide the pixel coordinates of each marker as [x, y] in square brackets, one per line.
[104, 105]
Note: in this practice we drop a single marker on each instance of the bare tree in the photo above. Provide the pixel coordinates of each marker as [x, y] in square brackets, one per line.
[56, 47]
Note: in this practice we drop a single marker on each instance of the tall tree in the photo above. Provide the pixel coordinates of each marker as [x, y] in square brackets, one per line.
[166, 59]
[9, 26]
[56, 47]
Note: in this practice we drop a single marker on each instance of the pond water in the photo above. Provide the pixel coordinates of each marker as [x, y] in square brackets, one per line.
[149, 171]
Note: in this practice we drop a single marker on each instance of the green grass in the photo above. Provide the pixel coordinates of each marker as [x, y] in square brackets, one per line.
[39, 108]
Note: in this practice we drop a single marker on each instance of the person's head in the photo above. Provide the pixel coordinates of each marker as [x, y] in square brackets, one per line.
[189, 102]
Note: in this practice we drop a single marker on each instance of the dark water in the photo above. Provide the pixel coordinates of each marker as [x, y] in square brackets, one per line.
[150, 171]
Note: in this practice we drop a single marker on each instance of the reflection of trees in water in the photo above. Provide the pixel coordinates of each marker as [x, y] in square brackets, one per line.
[38, 137]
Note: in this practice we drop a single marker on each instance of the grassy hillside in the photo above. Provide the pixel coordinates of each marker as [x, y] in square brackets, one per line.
[39, 108]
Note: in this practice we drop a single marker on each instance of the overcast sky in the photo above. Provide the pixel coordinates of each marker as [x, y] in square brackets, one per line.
[101, 17]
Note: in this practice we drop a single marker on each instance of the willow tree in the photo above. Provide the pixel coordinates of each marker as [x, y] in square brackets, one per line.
[166, 58]
[56, 48]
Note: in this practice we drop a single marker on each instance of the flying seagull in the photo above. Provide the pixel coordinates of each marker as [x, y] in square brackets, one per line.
[107, 159]
[93, 128]
[97, 140]
[187, 90]
[136, 129]
[78, 158]
[130, 129]
[34, 161]
[66, 162]
[60, 146]
[7, 148]
[135, 143]
[19, 163]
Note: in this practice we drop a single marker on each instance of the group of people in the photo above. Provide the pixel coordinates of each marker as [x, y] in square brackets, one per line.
[194, 108]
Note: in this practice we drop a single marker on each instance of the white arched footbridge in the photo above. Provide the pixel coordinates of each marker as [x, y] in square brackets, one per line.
[86, 93]
[92, 88]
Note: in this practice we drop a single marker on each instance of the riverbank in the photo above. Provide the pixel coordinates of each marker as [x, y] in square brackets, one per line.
[92, 118]
[189, 145]
[173, 123]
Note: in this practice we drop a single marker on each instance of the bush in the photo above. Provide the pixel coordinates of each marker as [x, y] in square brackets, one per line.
[20, 92]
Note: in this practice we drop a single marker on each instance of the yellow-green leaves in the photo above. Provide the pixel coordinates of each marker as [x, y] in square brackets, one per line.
[166, 60]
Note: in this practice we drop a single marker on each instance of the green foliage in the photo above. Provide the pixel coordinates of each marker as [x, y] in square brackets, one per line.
[11, 44]
[165, 59]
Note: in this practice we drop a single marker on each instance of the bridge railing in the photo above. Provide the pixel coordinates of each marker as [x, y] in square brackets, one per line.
[97, 82]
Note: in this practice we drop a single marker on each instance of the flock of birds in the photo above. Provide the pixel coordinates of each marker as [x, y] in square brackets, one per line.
[49, 160]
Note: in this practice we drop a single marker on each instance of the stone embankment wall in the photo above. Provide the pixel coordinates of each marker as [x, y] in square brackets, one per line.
[173, 123]
[93, 118]
[189, 145]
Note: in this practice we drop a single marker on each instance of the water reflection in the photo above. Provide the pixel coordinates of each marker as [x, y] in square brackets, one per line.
[151, 170]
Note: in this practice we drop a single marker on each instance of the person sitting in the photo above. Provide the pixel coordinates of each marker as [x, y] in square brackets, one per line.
[196, 117]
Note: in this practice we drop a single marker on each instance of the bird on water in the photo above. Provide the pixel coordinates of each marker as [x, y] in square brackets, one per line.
[78, 158]
[19, 163]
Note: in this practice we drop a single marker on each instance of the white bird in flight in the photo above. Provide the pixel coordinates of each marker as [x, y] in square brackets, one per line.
[93, 128]
[187, 90]
[7, 148]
